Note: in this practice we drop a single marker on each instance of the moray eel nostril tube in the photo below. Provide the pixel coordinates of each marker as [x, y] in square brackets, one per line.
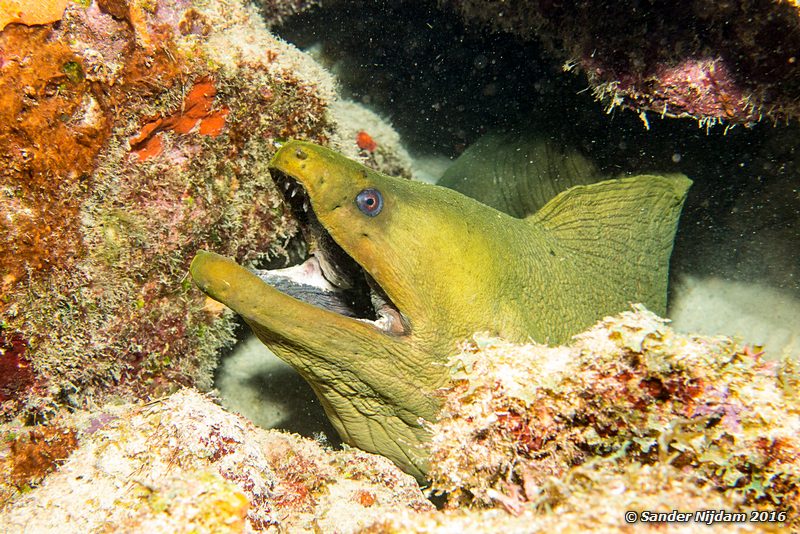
[402, 271]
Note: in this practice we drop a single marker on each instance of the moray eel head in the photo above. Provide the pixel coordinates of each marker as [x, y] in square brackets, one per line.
[370, 339]
[392, 236]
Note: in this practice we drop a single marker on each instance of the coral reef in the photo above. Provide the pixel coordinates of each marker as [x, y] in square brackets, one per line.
[591, 498]
[732, 62]
[183, 464]
[530, 427]
[131, 135]
[629, 417]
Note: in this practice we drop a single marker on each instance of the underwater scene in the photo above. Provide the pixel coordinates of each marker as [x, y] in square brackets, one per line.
[399, 266]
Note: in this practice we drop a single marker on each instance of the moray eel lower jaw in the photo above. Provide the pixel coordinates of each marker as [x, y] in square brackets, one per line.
[364, 374]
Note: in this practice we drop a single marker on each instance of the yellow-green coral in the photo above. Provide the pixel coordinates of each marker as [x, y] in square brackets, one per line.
[631, 389]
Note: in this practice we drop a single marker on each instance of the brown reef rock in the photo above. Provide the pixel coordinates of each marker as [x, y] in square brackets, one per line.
[132, 133]
[733, 62]
[183, 464]
[630, 416]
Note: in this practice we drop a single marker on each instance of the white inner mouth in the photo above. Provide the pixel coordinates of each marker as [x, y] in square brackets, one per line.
[308, 273]
[307, 282]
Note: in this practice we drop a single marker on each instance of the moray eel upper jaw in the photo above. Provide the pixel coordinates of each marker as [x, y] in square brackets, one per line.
[321, 200]
[427, 286]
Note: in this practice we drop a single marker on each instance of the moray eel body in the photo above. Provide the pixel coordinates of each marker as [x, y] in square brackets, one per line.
[518, 172]
[404, 271]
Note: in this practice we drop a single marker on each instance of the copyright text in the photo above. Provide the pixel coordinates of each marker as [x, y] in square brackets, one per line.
[708, 517]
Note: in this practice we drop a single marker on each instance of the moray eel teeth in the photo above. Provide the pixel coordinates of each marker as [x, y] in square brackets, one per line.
[401, 272]
[342, 284]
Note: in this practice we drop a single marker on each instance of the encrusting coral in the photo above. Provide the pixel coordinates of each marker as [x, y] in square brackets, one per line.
[631, 408]
[732, 62]
[629, 417]
[183, 464]
[132, 134]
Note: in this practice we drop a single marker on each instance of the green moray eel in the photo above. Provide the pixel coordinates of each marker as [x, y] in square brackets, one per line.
[409, 270]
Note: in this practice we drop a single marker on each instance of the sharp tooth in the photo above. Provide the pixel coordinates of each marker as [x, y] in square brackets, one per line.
[294, 192]
[286, 186]
[305, 206]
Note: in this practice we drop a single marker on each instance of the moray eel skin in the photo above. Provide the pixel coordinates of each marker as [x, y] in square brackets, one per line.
[518, 172]
[402, 271]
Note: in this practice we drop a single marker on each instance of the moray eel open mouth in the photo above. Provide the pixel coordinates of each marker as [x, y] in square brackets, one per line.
[329, 278]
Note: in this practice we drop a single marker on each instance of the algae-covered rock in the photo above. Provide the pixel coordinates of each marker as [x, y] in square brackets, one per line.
[133, 134]
[733, 62]
[183, 464]
[630, 405]
[364, 135]
[629, 417]
[592, 498]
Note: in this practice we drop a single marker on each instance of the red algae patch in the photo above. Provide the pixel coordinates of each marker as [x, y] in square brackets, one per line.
[50, 134]
[365, 141]
[196, 112]
[38, 453]
[16, 374]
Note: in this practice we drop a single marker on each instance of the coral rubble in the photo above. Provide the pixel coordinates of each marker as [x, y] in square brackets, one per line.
[630, 417]
[630, 405]
[183, 464]
[733, 62]
[132, 134]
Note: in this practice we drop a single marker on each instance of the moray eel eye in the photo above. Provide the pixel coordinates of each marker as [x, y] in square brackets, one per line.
[370, 202]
